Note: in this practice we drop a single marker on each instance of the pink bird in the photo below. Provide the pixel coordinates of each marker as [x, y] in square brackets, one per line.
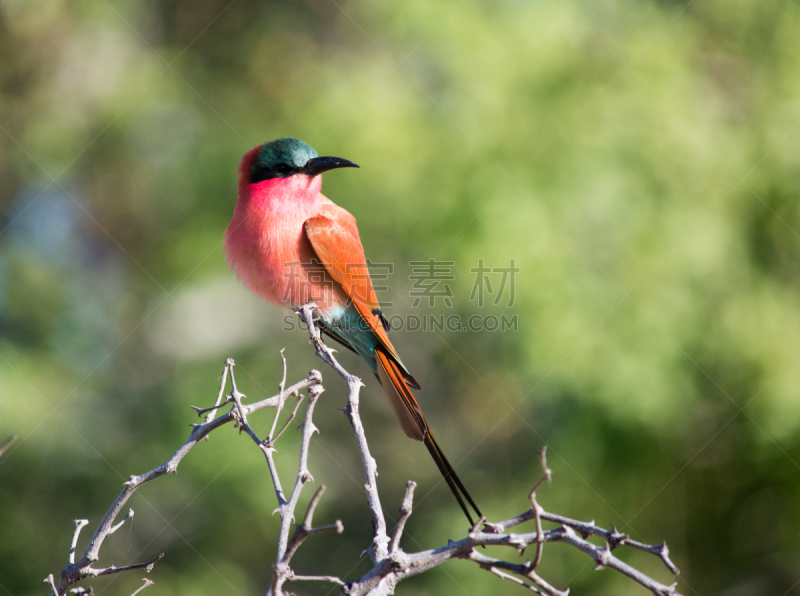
[292, 245]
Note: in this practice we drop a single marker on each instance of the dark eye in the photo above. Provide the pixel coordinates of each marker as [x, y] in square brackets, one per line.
[267, 172]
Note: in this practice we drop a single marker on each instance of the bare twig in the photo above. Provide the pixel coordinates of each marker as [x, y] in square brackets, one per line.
[283, 573]
[49, 580]
[391, 567]
[315, 578]
[613, 537]
[525, 570]
[269, 454]
[548, 473]
[391, 564]
[289, 419]
[495, 565]
[303, 475]
[405, 512]
[306, 529]
[119, 525]
[76, 571]
[378, 550]
[79, 523]
[382, 578]
[538, 510]
[281, 399]
[212, 412]
[147, 566]
[286, 507]
[147, 582]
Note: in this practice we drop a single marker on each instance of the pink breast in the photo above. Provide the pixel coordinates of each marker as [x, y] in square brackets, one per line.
[266, 246]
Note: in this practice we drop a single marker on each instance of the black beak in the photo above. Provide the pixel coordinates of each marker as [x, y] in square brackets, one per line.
[318, 165]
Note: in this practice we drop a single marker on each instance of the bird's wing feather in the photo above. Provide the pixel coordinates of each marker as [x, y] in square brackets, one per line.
[339, 249]
[343, 257]
[340, 215]
[405, 407]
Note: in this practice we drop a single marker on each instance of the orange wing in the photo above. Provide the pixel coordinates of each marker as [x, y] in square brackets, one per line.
[340, 250]
[343, 257]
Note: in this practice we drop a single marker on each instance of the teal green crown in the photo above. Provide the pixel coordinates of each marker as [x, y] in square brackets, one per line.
[280, 158]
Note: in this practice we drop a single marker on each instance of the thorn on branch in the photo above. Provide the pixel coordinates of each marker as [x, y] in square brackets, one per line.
[517, 542]
[615, 538]
[603, 557]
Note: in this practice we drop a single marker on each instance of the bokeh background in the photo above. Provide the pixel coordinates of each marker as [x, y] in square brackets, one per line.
[637, 160]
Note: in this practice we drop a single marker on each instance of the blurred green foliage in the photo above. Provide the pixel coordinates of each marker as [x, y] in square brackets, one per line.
[637, 160]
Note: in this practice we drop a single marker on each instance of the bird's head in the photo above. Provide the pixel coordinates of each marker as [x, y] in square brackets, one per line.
[288, 156]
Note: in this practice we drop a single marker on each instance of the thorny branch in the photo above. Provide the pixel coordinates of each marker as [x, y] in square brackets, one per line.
[77, 571]
[391, 564]
[387, 573]
[378, 550]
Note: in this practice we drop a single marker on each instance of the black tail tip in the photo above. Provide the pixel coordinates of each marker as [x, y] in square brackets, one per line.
[452, 479]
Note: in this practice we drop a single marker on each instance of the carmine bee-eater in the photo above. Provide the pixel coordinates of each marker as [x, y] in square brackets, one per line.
[292, 245]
